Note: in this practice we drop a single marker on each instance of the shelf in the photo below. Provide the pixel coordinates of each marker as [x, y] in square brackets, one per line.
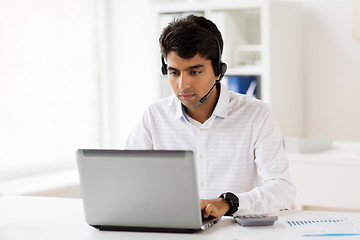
[194, 6]
[261, 38]
[250, 48]
[245, 70]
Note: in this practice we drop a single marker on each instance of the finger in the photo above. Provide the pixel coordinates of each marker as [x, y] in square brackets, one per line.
[203, 204]
[209, 210]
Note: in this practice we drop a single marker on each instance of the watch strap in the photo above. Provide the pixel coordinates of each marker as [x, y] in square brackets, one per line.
[233, 201]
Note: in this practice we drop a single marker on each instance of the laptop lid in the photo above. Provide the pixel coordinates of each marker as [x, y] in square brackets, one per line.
[140, 190]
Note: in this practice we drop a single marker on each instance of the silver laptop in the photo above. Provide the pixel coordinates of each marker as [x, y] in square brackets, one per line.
[135, 190]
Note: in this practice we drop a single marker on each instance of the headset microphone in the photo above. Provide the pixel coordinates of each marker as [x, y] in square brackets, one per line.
[223, 70]
[219, 69]
[204, 97]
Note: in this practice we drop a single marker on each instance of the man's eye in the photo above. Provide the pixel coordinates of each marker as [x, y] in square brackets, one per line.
[173, 73]
[195, 72]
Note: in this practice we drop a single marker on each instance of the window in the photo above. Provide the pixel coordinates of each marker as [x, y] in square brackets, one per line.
[49, 100]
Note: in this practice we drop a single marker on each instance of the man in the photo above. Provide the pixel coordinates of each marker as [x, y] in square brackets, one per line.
[242, 166]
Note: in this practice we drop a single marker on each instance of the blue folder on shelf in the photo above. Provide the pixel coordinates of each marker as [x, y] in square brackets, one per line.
[248, 85]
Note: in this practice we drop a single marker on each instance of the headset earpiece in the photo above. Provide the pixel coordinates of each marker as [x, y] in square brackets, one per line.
[220, 67]
[223, 68]
[164, 70]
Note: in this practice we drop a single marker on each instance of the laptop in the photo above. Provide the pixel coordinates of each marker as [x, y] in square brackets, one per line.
[140, 190]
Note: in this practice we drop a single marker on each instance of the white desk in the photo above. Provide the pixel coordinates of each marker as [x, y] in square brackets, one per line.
[56, 218]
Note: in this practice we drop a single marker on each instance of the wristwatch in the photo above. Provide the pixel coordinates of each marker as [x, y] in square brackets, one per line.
[233, 201]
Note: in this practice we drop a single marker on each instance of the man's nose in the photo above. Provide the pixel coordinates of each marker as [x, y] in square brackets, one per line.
[184, 82]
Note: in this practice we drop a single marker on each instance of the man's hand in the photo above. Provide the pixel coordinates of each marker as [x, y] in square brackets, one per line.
[214, 207]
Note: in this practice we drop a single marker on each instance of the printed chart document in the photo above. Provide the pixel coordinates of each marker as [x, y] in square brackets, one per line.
[322, 228]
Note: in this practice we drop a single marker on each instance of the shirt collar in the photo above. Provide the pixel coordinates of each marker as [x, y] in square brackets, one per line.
[221, 108]
[180, 111]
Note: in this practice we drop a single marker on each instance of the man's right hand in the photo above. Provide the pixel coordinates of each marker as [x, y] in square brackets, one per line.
[214, 207]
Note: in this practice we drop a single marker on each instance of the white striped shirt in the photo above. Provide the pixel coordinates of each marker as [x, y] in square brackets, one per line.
[238, 149]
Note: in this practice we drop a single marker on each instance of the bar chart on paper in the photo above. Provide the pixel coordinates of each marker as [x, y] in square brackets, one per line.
[327, 221]
[344, 227]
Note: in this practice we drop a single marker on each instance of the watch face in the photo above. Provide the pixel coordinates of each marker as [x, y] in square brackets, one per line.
[233, 201]
[231, 198]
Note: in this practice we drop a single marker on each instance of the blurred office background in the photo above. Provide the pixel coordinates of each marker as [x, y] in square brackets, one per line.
[78, 74]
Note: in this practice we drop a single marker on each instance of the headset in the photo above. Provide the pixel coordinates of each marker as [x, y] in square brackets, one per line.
[219, 69]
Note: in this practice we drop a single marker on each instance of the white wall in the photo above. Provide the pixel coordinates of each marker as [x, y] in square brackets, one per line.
[48, 84]
[331, 69]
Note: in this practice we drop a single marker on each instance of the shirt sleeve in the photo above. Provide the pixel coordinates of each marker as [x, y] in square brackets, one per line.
[140, 137]
[276, 190]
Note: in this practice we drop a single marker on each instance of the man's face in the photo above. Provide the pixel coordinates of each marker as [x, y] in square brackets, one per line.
[190, 78]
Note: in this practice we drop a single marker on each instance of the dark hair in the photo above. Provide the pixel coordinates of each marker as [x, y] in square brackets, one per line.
[191, 35]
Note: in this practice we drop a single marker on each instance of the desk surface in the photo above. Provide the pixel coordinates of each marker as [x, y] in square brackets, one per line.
[61, 218]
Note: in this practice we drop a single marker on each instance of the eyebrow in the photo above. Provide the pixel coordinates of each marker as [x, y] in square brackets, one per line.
[189, 68]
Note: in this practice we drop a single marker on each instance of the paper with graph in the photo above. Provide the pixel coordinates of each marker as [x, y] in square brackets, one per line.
[324, 227]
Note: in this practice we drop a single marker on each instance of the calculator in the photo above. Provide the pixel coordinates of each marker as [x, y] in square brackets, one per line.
[255, 220]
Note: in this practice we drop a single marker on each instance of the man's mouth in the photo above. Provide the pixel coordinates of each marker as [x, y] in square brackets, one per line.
[186, 96]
